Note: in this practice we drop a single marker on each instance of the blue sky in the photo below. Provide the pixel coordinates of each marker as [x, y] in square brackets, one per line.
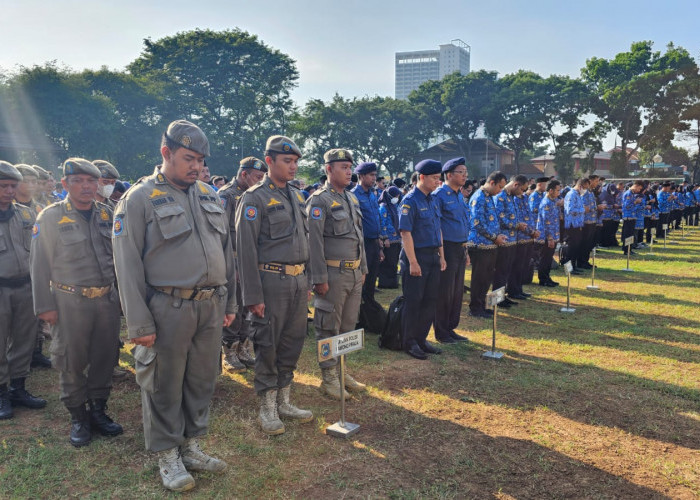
[348, 46]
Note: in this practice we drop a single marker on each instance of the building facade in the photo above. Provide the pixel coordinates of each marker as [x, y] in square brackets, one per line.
[414, 68]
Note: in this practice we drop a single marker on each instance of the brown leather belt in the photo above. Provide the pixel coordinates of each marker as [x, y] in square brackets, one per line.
[188, 293]
[90, 292]
[344, 264]
[291, 270]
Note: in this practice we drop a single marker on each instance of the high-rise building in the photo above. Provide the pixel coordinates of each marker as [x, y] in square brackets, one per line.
[414, 68]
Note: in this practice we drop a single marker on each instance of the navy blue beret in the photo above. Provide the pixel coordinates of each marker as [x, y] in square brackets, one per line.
[429, 167]
[399, 182]
[450, 165]
[366, 167]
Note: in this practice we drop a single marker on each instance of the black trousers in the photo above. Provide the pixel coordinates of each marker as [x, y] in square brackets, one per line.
[449, 304]
[545, 263]
[372, 253]
[388, 277]
[531, 259]
[483, 267]
[627, 231]
[520, 263]
[587, 244]
[648, 225]
[420, 296]
[676, 216]
[572, 237]
[660, 231]
[505, 258]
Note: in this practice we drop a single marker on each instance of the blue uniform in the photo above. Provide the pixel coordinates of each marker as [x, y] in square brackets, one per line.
[369, 204]
[525, 216]
[454, 215]
[484, 225]
[590, 203]
[420, 216]
[629, 207]
[548, 226]
[664, 202]
[387, 229]
[573, 210]
[507, 216]
[534, 203]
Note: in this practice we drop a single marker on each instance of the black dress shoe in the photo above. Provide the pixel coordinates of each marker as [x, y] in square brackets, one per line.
[480, 314]
[509, 302]
[527, 295]
[504, 305]
[489, 312]
[576, 272]
[39, 360]
[458, 338]
[416, 352]
[552, 284]
[518, 296]
[446, 340]
[427, 347]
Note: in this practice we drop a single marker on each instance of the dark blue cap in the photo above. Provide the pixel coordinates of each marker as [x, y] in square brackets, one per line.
[366, 167]
[399, 182]
[429, 167]
[450, 165]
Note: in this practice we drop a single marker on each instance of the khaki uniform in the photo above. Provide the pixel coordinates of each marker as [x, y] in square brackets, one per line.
[338, 258]
[18, 324]
[73, 273]
[176, 277]
[273, 249]
[230, 195]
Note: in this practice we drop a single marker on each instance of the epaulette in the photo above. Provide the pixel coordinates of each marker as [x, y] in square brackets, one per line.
[257, 185]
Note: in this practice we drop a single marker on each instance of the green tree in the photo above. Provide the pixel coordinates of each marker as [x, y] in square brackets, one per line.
[642, 94]
[236, 88]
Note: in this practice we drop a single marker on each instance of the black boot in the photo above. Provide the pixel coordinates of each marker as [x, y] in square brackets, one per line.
[79, 426]
[100, 421]
[19, 396]
[38, 358]
[5, 405]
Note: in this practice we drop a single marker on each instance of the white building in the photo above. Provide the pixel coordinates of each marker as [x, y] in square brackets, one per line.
[414, 68]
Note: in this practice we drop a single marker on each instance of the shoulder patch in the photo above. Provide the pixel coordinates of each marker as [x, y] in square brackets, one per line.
[224, 201]
[251, 213]
[405, 209]
[66, 220]
[35, 231]
[316, 213]
[118, 227]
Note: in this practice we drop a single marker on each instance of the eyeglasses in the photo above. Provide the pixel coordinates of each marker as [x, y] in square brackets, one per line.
[459, 172]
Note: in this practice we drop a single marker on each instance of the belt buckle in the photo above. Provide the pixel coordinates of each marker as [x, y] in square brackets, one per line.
[90, 292]
[298, 269]
[276, 268]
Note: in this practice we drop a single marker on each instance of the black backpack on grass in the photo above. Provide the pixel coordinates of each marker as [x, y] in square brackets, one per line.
[372, 317]
[390, 338]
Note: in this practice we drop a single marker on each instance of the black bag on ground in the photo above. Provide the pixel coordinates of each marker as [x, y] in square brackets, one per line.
[372, 317]
[390, 338]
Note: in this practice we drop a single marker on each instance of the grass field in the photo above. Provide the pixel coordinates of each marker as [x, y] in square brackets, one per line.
[602, 403]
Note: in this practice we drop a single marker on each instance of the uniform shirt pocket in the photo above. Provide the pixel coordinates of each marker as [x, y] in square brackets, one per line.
[146, 365]
[280, 225]
[215, 215]
[341, 222]
[172, 221]
[73, 241]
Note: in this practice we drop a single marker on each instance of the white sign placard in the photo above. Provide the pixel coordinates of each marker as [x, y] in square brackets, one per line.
[664, 226]
[629, 241]
[496, 297]
[568, 267]
[341, 344]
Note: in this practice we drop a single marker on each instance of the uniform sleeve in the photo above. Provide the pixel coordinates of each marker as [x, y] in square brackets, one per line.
[316, 215]
[231, 303]
[407, 216]
[40, 263]
[128, 238]
[248, 222]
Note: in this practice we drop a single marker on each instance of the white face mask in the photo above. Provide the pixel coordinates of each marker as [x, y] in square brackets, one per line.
[105, 190]
[394, 201]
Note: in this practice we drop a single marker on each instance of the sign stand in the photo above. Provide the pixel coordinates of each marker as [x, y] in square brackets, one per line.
[665, 229]
[568, 268]
[628, 243]
[593, 286]
[651, 245]
[682, 230]
[339, 346]
[493, 299]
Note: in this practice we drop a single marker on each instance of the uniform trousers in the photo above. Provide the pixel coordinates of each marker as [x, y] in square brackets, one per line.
[337, 311]
[627, 231]
[544, 266]
[520, 263]
[18, 327]
[587, 244]
[449, 303]
[572, 237]
[177, 375]
[239, 329]
[372, 254]
[660, 231]
[505, 258]
[85, 345]
[388, 276]
[279, 335]
[483, 267]
[420, 296]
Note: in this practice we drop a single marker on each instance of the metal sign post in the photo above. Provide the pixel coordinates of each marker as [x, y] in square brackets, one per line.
[339, 346]
[493, 299]
[682, 230]
[665, 229]
[568, 268]
[651, 245]
[628, 243]
[593, 286]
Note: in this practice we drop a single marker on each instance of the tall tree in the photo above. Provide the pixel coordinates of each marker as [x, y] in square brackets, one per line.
[642, 94]
[236, 88]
